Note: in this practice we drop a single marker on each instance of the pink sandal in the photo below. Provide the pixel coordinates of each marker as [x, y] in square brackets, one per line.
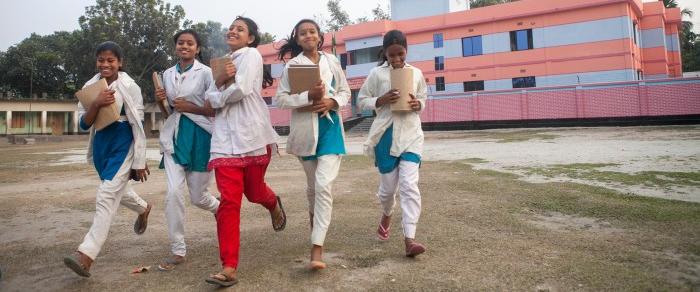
[382, 232]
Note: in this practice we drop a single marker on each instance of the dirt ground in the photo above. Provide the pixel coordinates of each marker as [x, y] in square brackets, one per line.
[533, 210]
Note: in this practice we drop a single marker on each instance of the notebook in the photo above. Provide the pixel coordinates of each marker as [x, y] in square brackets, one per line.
[107, 114]
[402, 79]
[218, 69]
[158, 84]
[303, 77]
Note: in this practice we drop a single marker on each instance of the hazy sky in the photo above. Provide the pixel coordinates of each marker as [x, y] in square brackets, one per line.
[22, 17]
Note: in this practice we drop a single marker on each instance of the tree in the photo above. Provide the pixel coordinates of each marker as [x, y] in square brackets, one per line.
[213, 37]
[690, 42]
[266, 38]
[483, 3]
[143, 28]
[339, 17]
[380, 14]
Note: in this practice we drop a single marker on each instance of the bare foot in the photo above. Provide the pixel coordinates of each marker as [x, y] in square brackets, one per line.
[317, 258]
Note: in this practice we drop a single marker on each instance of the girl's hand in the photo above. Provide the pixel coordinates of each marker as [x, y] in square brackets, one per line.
[317, 92]
[230, 74]
[389, 97]
[208, 110]
[415, 104]
[141, 174]
[184, 106]
[105, 98]
[324, 105]
[160, 95]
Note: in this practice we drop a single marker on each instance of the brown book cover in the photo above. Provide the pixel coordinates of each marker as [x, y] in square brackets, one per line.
[158, 84]
[107, 114]
[218, 69]
[303, 77]
[402, 79]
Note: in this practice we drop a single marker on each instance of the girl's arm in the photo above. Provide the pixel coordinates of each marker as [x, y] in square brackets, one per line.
[206, 109]
[422, 92]
[343, 94]
[284, 99]
[245, 82]
[367, 97]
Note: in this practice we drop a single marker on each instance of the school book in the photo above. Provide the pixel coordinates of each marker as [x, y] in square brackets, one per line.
[163, 105]
[303, 77]
[107, 114]
[218, 69]
[402, 79]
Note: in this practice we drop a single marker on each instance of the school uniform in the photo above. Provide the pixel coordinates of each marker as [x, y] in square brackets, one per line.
[185, 141]
[318, 140]
[114, 151]
[395, 141]
[241, 146]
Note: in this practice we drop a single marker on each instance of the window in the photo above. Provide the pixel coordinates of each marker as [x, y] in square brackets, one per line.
[437, 40]
[521, 40]
[524, 82]
[634, 32]
[471, 46]
[363, 56]
[18, 120]
[439, 83]
[473, 86]
[640, 75]
[267, 68]
[439, 63]
[343, 60]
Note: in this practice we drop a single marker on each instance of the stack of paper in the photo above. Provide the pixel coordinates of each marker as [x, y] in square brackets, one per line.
[163, 105]
[218, 69]
[402, 79]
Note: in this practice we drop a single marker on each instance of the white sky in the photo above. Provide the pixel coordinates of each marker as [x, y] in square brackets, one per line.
[22, 17]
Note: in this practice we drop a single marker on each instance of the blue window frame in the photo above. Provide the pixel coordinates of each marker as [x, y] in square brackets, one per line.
[437, 40]
[471, 46]
[521, 40]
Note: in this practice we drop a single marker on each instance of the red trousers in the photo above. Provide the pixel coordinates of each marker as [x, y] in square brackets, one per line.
[232, 183]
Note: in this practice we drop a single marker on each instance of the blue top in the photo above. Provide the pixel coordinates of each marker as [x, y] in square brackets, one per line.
[110, 147]
[382, 157]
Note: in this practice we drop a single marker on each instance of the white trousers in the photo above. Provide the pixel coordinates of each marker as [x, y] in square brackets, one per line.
[403, 178]
[320, 174]
[197, 183]
[110, 194]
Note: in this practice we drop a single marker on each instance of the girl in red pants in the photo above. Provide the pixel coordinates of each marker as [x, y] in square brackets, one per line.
[241, 145]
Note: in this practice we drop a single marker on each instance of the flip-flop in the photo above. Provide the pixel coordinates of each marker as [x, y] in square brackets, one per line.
[227, 282]
[169, 263]
[414, 249]
[142, 221]
[317, 265]
[73, 263]
[383, 233]
[284, 217]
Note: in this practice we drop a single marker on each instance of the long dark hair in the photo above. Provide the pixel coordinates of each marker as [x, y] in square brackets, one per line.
[292, 47]
[255, 33]
[110, 46]
[392, 37]
[197, 40]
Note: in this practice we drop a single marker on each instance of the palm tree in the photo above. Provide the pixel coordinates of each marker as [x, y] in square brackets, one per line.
[685, 12]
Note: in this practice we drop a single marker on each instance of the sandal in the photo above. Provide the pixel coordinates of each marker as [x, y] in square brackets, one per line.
[221, 279]
[383, 232]
[317, 265]
[73, 263]
[414, 249]
[169, 263]
[284, 217]
[142, 221]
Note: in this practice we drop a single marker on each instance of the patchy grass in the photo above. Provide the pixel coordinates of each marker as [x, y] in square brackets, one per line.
[589, 171]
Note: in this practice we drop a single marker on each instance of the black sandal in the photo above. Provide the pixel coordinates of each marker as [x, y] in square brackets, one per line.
[226, 282]
[284, 217]
[142, 221]
[73, 263]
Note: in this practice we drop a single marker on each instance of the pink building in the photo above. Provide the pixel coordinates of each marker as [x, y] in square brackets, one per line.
[557, 49]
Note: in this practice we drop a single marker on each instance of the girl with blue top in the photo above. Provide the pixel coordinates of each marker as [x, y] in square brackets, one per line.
[395, 139]
[316, 133]
[118, 153]
[185, 140]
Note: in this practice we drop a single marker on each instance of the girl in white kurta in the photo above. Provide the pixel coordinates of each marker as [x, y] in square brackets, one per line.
[395, 139]
[118, 153]
[185, 140]
[316, 128]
